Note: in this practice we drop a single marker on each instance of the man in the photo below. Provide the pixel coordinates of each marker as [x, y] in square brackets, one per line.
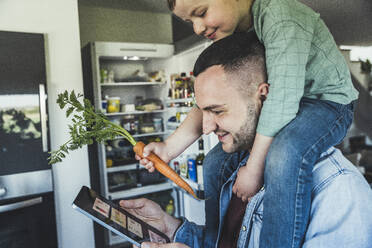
[230, 90]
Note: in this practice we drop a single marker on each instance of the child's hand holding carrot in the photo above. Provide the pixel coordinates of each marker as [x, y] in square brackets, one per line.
[160, 149]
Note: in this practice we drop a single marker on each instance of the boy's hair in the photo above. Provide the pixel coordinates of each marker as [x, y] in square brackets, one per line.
[241, 55]
[171, 4]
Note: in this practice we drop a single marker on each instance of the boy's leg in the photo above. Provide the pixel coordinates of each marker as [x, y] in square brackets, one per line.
[218, 166]
[288, 170]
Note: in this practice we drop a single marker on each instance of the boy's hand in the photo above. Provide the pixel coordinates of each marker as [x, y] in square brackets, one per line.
[151, 213]
[160, 149]
[248, 182]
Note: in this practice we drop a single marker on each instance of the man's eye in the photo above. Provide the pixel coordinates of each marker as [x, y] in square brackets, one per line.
[217, 112]
[202, 13]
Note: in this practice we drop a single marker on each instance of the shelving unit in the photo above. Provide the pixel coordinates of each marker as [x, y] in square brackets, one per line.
[108, 178]
[135, 113]
[117, 84]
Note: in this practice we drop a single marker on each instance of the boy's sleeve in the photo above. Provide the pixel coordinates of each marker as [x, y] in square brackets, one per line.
[287, 46]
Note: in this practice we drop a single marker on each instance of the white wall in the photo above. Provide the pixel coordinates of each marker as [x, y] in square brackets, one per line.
[59, 21]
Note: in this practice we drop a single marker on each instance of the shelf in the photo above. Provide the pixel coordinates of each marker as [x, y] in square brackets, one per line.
[180, 108]
[131, 84]
[180, 100]
[149, 134]
[141, 190]
[193, 184]
[135, 113]
[123, 168]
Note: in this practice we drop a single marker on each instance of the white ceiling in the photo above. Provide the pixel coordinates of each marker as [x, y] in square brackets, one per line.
[350, 21]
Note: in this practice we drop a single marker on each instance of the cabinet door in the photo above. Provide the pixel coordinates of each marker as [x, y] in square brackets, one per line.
[23, 126]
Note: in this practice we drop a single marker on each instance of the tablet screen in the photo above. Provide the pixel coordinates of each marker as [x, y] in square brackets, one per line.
[116, 219]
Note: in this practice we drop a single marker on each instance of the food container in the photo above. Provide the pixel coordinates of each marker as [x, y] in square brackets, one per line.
[147, 128]
[113, 104]
[158, 124]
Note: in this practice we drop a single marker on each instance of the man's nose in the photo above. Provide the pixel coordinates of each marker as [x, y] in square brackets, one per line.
[209, 124]
[199, 27]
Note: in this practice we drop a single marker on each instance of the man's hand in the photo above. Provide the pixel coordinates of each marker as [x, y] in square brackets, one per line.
[160, 149]
[169, 245]
[151, 213]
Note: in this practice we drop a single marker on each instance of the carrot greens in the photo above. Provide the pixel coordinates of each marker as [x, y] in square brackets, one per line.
[87, 125]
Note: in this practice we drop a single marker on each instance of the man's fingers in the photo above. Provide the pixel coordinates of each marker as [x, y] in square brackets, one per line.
[169, 245]
[136, 203]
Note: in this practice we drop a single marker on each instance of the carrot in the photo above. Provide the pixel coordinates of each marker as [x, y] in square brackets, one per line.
[164, 168]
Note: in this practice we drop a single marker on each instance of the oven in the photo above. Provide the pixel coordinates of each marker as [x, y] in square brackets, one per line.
[27, 213]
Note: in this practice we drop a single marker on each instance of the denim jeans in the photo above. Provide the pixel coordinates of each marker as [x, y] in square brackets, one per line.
[317, 126]
[288, 169]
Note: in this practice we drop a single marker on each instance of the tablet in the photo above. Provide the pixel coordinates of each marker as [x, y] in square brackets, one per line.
[113, 217]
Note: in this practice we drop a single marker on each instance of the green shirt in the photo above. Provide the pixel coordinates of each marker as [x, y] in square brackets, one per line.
[302, 60]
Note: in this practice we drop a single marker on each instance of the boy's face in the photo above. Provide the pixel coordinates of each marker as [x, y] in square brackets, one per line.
[227, 112]
[214, 19]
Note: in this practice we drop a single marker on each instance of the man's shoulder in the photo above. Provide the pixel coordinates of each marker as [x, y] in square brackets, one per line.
[331, 165]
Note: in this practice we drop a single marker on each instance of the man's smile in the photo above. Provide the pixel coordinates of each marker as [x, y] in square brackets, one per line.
[222, 136]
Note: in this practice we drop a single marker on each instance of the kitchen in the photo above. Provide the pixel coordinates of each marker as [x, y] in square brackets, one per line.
[68, 26]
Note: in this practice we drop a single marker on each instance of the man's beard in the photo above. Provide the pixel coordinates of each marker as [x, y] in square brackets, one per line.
[244, 138]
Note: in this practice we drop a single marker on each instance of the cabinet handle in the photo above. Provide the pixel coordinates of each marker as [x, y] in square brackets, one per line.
[21, 204]
[43, 117]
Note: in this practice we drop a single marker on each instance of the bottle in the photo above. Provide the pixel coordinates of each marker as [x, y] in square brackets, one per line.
[199, 162]
[191, 164]
[170, 208]
[109, 156]
[183, 166]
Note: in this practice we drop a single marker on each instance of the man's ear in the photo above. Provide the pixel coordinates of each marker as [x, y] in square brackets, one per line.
[263, 90]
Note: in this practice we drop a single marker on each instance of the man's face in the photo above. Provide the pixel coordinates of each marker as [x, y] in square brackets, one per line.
[213, 19]
[228, 113]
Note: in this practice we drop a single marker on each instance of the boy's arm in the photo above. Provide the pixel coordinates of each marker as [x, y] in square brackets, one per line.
[259, 151]
[189, 130]
[250, 177]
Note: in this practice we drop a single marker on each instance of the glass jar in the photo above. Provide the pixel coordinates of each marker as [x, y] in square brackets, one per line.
[128, 123]
[113, 104]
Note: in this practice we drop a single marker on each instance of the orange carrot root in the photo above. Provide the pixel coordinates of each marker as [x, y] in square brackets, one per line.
[164, 168]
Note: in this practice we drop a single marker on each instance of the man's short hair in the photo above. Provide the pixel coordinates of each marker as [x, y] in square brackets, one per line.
[171, 4]
[233, 53]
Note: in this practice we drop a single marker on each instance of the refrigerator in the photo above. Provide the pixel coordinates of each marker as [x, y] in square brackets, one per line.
[119, 78]
[26, 189]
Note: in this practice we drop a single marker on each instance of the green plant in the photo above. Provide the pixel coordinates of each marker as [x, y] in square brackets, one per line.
[87, 126]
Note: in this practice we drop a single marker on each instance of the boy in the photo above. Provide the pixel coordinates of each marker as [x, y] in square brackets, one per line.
[302, 61]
